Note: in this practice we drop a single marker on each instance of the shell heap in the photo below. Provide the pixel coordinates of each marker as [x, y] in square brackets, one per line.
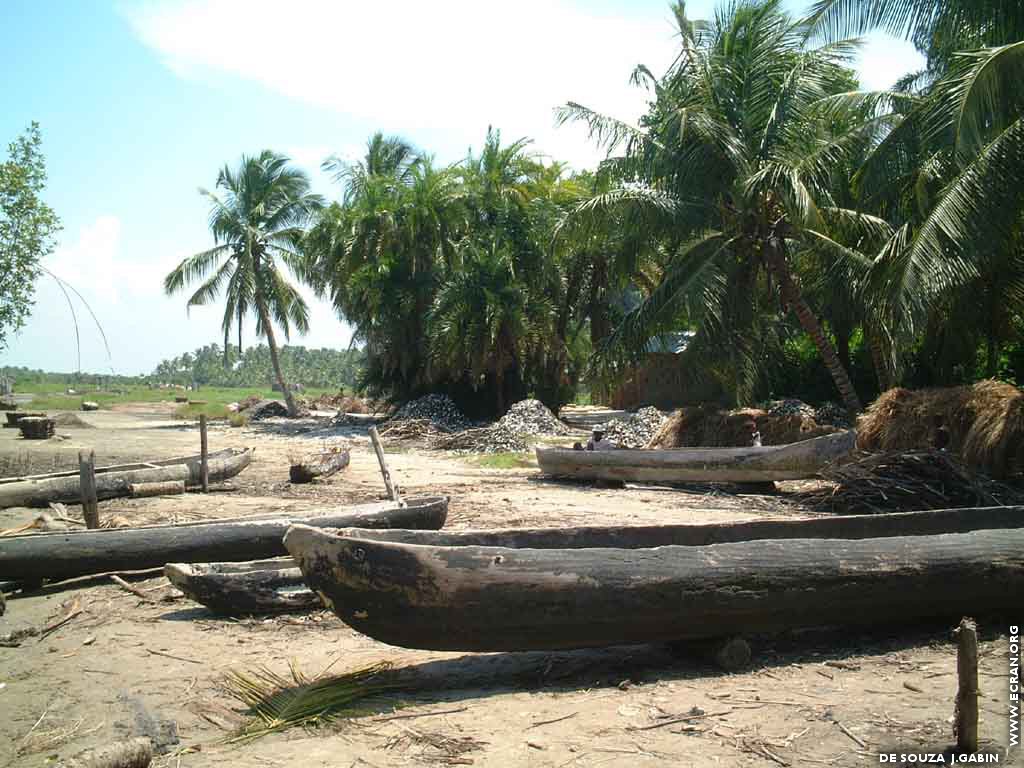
[636, 430]
[439, 410]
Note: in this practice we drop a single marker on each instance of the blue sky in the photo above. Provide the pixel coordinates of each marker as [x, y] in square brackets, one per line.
[141, 103]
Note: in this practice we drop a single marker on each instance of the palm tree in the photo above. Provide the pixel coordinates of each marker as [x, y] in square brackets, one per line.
[730, 171]
[257, 218]
[949, 173]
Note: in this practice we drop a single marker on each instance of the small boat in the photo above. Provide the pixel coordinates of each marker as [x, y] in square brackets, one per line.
[488, 598]
[318, 465]
[114, 481]
[754, 464]
[244, 589]
[277, 586]
[69, 554]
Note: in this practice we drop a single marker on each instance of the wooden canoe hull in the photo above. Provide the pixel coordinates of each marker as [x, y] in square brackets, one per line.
[68, 554]
[501, 599]
[114, 482]
[756, 464]
[243, 589]
[273, 586]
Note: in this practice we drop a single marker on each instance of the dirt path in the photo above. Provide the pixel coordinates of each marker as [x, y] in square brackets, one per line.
[123, 666]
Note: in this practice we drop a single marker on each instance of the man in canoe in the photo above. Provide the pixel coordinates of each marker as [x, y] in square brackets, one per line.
[597, 442]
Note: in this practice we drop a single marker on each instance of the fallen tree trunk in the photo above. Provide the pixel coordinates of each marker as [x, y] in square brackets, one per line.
[318, 465]
[65, 555]
[497, 599]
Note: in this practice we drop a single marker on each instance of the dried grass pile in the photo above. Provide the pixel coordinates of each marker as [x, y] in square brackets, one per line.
[707, 426]
[905, 481]
[984, 422]
[72, 420]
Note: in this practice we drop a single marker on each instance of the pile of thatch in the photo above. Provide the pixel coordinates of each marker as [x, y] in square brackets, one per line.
[905, 481]
[708, 426]
[984, 424]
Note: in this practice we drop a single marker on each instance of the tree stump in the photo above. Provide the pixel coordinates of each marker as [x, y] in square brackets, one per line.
[965, 722]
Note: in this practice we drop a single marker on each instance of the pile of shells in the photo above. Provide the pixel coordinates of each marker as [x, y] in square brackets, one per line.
[832, 413]
[636, 430]
[790, 407]
[532, 417]
[439, 410]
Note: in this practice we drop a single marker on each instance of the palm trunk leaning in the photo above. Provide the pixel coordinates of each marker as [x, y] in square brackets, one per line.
[289, 399]
[776, 260]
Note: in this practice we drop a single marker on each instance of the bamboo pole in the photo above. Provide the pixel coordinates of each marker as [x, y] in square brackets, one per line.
[388, 483]
[87, 485]
[204, 467]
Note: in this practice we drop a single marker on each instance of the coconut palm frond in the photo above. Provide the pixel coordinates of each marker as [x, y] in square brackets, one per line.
[277, 702]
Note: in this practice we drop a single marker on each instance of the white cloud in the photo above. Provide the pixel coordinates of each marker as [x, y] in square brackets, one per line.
[883, 60]
[415, 68]
[94, 265]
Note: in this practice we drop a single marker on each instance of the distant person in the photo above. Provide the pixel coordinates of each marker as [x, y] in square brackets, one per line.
[941, 439]
[598, 443]
[755, 439]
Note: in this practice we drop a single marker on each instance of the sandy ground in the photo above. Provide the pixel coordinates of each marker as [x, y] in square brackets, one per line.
[124, 666]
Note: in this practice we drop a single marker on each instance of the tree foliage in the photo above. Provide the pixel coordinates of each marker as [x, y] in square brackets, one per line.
[27, 229]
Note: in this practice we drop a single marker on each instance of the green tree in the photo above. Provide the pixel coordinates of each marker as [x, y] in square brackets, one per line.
[731, 171]
[27, 228]
[258, 219]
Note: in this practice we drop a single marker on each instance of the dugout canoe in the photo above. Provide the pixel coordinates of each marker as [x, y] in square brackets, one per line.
[475, 598]
[115, 481]
[754, 464]
[276, 586]
[68, 554]
[243, 589]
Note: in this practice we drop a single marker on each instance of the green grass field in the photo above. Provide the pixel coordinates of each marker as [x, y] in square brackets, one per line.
[504, 460]
[214, 399]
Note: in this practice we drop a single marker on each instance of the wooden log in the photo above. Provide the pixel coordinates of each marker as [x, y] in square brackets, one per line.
[68, 554]
[965, 721]
[87, 483]
[379, 450]
[204, 467]
[494, 599]
[133, 753]
[730, 654]
[319, 465]
[144, 490]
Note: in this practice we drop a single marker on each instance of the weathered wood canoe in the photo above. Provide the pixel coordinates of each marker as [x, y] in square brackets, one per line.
[755, 464]
[318, 465]
[242, 589]
[115, 481]
[502, 599]
[67, 554]
[272, 586]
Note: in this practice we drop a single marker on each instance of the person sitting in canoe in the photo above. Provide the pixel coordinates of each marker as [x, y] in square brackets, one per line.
[596, 442]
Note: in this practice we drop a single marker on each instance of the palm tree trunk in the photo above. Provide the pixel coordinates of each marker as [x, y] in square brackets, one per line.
[878, 358]
[776, 259]
[268, 329]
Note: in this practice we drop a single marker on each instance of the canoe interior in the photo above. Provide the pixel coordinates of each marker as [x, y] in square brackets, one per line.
[929, 522]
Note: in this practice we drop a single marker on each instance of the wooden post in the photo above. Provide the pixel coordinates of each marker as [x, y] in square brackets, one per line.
[204, 468]
[966, 716]
[392, 490]
[87, 489]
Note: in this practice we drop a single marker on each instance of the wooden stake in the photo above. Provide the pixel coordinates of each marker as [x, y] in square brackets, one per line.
[392, 489]
[965, 723]
[87, 486]
[204, 468]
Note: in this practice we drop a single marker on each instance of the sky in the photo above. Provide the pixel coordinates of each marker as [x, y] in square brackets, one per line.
[141, 103]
